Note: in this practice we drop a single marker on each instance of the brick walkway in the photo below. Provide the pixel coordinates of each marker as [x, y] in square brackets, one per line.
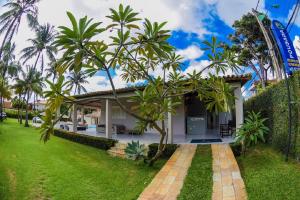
[227, 181]
[168, 182]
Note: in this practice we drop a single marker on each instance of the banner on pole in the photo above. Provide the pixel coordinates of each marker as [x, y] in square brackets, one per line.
[287, 49]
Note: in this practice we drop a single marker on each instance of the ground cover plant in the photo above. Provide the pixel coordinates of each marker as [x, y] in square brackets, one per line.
[267, 176]
[62, 169]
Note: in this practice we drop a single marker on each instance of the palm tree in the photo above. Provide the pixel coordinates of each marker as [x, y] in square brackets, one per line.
[32, 82]
[42, 43]
[19, 90]
[51, 71]
[8, 68]
[11, 19]
[77, 79]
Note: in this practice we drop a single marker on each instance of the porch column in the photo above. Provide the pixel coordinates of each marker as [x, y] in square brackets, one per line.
[108, 123]
[82, 114]
[239, 115]
[74, 117]
[170, 128]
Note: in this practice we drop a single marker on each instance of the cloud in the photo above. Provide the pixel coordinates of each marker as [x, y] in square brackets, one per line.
[190, 53]
[296, 43]
[297, 20]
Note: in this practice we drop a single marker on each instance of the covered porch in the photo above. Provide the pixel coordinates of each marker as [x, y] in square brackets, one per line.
[191, 123]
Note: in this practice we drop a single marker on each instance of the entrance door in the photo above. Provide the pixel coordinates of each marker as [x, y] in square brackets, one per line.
[195, 116]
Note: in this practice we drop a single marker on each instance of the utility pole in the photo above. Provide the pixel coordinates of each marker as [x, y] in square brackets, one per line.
[270, 46]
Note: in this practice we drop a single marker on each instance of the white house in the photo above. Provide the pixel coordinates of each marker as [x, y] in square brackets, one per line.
[192, 119]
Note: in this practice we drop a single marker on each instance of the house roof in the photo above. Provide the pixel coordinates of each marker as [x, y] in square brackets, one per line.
[229, 79]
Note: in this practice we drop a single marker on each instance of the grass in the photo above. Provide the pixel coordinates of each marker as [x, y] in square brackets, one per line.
[198, 183]
[267, 176]
[60, 169]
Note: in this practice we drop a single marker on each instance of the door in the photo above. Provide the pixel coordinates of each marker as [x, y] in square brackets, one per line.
[195, 116]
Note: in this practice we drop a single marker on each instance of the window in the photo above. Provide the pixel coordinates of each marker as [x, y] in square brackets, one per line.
[118, 113]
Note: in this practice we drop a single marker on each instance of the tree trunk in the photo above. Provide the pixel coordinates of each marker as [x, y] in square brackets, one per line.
[37, 59]
[160, 149]
[26, 115]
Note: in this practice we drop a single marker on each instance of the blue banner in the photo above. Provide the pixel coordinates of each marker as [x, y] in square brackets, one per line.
[286, 47]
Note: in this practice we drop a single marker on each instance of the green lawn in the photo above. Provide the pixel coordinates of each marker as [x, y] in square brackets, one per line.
[268, 177]
[198, 183]
[60, 169]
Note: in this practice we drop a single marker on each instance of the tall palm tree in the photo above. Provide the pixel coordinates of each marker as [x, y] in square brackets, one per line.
[19, 90]
[11, 19]
[40, 45]
[51, 71]
[77, 79]
[32, 82]
[8, 69]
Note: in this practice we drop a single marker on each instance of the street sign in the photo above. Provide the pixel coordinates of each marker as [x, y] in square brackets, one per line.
[286, 47]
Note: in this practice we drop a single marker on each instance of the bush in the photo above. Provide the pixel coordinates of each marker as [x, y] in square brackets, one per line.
[170, 149]
[100, 143]
[272, 103]
[11, 113]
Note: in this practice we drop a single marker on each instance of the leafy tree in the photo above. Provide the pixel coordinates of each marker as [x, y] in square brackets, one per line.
[249, 44]
[251, 131]
[136, 49]
[77, 79]
[40, 45]
[32, 82]
[51, 70]
[10, 20]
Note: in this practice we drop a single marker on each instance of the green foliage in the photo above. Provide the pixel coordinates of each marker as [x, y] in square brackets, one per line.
[252, 130]
[18, 103]
[135, 150]
[135, 132]
[167, 153]
[12, 113]
[272, 104]
[100, 143]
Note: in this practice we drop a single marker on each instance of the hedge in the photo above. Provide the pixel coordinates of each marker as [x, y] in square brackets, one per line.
[100, 143]
[272, 103]
[170, 149]
[12, 113]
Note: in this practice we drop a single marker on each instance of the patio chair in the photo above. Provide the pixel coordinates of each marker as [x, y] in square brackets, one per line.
[225, 130]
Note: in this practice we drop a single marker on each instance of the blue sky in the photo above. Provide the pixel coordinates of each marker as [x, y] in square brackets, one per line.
[191, 22]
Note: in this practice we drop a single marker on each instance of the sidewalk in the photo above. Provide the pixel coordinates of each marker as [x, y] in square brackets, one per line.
[167, 184]
[227, 181]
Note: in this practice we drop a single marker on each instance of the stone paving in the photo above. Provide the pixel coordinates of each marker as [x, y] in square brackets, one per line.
[227, 181]
[168, 182]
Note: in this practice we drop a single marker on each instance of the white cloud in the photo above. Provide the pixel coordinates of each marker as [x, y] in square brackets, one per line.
[296, 43]
[190, 53]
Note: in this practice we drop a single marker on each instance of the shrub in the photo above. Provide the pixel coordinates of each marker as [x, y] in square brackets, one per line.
[251, 131]
[100, 143]
[236, 149]
[272, 103]
[135, 150]
[11, 113]
[169, 150]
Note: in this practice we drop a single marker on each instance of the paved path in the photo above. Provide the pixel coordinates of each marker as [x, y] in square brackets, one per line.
[168, 182]
[227, 181]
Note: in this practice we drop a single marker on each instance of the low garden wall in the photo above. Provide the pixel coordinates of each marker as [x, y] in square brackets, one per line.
[272, 103]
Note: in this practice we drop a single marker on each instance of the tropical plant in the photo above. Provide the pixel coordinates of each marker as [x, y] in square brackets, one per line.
[249, 44]
[77, 79]
[10, 20]
[135, 150]
[32, 82]
[251, 131]
[137, 49]
[51, 70]
[41, 44]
